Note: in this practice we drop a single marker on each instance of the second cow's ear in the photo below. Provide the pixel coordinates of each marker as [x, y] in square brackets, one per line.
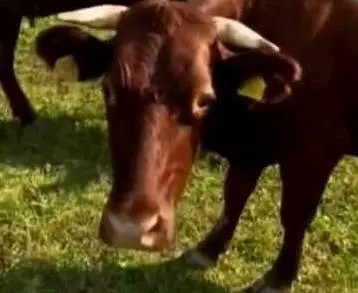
[73, 53]
[260, 76]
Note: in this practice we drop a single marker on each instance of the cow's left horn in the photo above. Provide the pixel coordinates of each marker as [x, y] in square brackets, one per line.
[238, 34]
[101, 16]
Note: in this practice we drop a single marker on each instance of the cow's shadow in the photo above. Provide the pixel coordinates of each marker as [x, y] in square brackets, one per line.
[76, 149]
[167, 277]
[79, 149]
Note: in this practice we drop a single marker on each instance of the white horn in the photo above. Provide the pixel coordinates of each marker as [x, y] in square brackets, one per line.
[238, 34]
[101, 16]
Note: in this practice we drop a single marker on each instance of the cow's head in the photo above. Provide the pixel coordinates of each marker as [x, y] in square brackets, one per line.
[158, 87]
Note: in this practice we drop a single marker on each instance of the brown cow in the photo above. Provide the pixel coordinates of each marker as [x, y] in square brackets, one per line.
[162, 75]
[306, 135]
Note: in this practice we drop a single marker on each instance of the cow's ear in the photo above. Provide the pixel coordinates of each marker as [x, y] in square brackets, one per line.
[260, 76]
[74, 54]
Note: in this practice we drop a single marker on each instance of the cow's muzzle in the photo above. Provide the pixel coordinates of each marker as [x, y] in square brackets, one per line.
[154, 233]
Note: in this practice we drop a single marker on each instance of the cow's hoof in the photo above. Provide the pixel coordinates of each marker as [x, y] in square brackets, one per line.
[36, 128]
[260, 286]
[36, 125]
[40, 125]
[197, 259]
[26, 119]
[265, 289]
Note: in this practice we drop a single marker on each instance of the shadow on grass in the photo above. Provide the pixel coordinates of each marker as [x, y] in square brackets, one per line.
[72, 149]
[170, 277]
[67, 146]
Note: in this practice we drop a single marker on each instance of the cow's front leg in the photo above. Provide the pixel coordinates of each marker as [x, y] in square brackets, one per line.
[239, 184]
[303, 185]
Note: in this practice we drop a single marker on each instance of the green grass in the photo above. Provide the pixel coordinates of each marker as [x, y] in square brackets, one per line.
[53, 185]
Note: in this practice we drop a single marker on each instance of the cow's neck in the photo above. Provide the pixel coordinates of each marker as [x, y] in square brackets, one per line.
[291, 24]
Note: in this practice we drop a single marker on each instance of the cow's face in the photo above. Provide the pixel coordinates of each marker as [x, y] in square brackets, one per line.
[158, 89]
[157, 92]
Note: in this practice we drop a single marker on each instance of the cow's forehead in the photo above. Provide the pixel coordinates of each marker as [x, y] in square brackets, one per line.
[166, 19]
[168, 54]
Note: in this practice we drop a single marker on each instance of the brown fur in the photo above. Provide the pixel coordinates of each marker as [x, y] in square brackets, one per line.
[142, 46]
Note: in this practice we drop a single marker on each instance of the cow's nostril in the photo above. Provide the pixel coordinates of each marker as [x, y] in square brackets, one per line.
[154, 228]
[202, 103]
[206, 100]
[152, 224]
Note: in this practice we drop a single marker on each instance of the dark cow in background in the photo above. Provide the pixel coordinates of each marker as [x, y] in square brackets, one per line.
[170, 85]
[11, 15]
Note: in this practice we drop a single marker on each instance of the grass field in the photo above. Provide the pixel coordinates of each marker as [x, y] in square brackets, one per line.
[52, 187]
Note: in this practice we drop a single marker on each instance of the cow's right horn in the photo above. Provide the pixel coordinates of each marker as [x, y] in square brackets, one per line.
[238, 34]
[101, 16]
